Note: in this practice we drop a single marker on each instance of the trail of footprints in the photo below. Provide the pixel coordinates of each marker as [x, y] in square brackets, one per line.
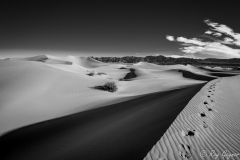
[184, 149]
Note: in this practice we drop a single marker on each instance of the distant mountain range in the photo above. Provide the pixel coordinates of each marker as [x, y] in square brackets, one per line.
[162, 60]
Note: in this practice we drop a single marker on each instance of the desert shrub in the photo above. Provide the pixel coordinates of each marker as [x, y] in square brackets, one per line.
[108, 86]
[101, 73]
[91, 73]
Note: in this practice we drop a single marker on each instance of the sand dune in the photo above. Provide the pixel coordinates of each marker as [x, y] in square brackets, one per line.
[86, 62]
[44, 58]
[196, 76]
[32, 90]
[54, 96]
[208, 123]
[126, 130]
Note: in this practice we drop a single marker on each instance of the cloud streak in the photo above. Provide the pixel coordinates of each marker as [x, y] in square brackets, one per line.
[221, 28]
[191, 41]
[170, 38]
[197, 48]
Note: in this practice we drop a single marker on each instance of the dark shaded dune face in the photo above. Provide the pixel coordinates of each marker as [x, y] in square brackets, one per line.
[191, 75]
[54, 61]
[236, 69]
[224, 74]
[122, 131]
[130, 75]
[40, 60]
[122, 68]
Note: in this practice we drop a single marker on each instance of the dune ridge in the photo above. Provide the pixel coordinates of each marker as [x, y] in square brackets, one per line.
[33, 90]
[209, 123]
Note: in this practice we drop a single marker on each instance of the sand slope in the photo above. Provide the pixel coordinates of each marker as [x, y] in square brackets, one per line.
[33, 90]
[126, 130]
[209, 123]
[86, 62]
[36, 91]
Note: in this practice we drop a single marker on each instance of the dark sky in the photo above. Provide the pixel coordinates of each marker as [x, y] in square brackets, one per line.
[106, 29]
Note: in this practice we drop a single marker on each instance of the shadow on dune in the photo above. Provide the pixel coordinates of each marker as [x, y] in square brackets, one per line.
[224, 74]
[122, 68]
[191, 75]
[130, 75]
[236, 69]
[122, 131]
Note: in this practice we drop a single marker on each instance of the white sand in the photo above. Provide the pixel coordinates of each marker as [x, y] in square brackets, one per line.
[206, 125]
[35, 89]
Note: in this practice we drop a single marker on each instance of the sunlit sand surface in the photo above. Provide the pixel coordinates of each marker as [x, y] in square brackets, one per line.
[207, 128]
[50, 101]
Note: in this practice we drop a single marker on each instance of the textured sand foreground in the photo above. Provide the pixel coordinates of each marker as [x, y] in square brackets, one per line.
[207, 128]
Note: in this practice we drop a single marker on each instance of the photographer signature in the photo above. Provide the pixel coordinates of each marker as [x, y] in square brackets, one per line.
[213, 154]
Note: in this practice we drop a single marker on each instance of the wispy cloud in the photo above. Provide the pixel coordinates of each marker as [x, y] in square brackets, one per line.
[213, 33]
[227, 39]
[217, 48]
[191, 41]
[217, 34]
[208, 32]
[170, 38]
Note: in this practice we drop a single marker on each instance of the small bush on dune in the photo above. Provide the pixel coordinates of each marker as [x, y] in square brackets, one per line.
[108, 86]
[101, 73]
[92, 73]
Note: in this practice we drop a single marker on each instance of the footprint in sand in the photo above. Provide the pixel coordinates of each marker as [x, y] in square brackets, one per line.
[204, 125]
[208, 108]
[202, 114]
[185, 151]
[211, 109]
[189, 132]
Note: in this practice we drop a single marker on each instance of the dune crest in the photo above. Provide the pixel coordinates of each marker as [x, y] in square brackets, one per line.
[86, 62]
[45, 59]
[208, 123]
